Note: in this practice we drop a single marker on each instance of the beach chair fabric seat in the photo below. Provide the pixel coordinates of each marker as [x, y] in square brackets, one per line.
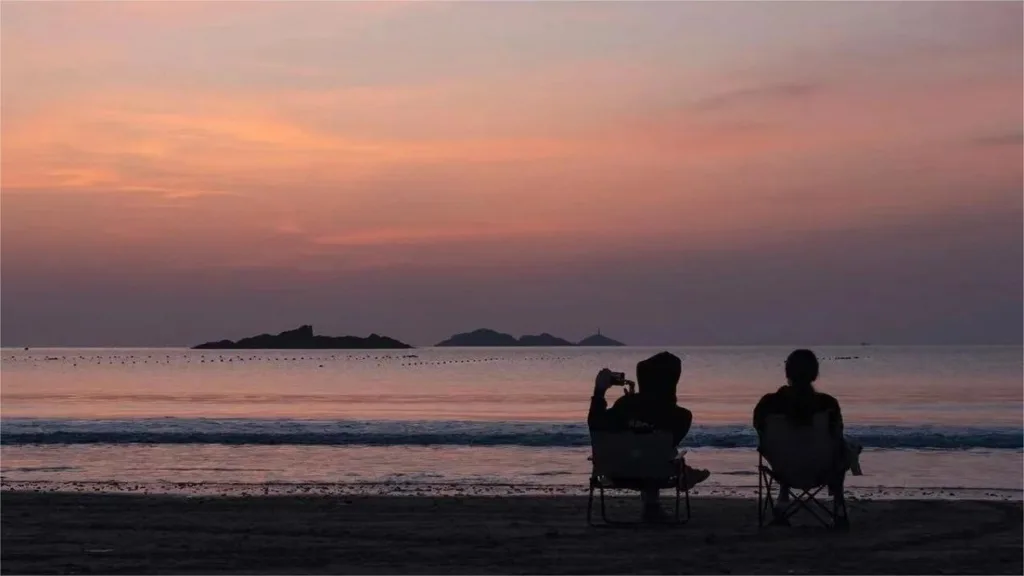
[802, 457]
[636, 461]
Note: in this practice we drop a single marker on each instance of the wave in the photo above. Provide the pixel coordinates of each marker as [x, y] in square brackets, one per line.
[21, 431]
[39, 469]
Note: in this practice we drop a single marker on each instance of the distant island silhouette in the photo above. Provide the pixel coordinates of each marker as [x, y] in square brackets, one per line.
[493, 338]
[303, 338]
[599, 340]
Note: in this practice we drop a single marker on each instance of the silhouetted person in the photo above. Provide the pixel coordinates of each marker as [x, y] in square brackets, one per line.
[653, 407]
[798, 401]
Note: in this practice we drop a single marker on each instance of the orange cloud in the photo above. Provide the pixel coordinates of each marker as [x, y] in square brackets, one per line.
[437, 234]
[337, 163]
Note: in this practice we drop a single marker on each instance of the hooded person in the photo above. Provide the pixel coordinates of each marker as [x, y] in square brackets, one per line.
[653, 407]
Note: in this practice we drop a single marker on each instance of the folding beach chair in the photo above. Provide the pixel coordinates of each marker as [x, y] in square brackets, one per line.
[803, 458]
[632, 461]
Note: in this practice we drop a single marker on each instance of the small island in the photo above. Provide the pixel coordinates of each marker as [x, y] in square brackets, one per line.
[302, 338]
[599, 340]
[481, 337]
[485, 337]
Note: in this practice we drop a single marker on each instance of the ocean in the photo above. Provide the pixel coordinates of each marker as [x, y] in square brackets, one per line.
[935, 421]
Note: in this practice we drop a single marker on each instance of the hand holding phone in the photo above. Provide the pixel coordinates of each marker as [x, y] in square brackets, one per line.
[605, 379]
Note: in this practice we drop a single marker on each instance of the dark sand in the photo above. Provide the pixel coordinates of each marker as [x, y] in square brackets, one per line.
[95, 533]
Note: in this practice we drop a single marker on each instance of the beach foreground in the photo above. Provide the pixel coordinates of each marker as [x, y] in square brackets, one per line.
[101, 533]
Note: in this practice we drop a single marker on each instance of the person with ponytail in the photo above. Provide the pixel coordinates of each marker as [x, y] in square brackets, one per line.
[798, 401]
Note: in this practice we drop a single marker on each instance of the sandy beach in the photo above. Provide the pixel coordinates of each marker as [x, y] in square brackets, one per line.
[101, 533]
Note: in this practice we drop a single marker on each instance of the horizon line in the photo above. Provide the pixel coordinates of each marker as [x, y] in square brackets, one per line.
[823, 345]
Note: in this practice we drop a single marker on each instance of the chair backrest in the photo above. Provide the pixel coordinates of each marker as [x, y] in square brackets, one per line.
[634, 455]
[800, 455]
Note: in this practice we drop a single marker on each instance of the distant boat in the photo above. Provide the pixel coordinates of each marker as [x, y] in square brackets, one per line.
[865, 344]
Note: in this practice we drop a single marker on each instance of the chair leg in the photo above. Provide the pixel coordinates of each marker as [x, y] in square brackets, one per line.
[765, 501]
[681, 479]
[590, 504]
[760, 498]
[805, 501]
[686, 494]
[678, 520]
[677, 503]
[604, 513]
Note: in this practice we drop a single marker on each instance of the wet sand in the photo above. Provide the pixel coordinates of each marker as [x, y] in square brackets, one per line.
[110, 533]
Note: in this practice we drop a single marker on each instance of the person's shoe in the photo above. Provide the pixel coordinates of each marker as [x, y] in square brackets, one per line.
[695, 476]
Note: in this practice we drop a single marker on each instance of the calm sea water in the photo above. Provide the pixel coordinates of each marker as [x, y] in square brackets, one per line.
[935, 420]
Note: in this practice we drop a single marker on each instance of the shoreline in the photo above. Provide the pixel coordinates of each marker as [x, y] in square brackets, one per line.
[137, 533]
[455, 489]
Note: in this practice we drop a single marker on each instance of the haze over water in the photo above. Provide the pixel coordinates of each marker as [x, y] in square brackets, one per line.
[963, 386]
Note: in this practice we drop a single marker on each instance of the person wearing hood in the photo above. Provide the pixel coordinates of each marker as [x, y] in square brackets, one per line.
[653, 407]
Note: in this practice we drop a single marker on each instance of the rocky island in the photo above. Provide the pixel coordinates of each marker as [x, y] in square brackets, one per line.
[485, 337]
[481, 337]
[302, 338]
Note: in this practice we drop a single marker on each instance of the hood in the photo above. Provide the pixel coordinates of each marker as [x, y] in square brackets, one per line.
[657, 376]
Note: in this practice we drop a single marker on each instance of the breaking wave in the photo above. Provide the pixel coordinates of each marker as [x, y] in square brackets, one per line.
[447, 433]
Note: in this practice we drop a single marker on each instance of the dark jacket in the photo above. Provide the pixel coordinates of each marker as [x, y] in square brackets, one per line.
[652, 408]
[632, 413]
[799, 406]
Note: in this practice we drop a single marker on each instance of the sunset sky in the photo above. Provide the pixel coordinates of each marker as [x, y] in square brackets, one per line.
[673, 173]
